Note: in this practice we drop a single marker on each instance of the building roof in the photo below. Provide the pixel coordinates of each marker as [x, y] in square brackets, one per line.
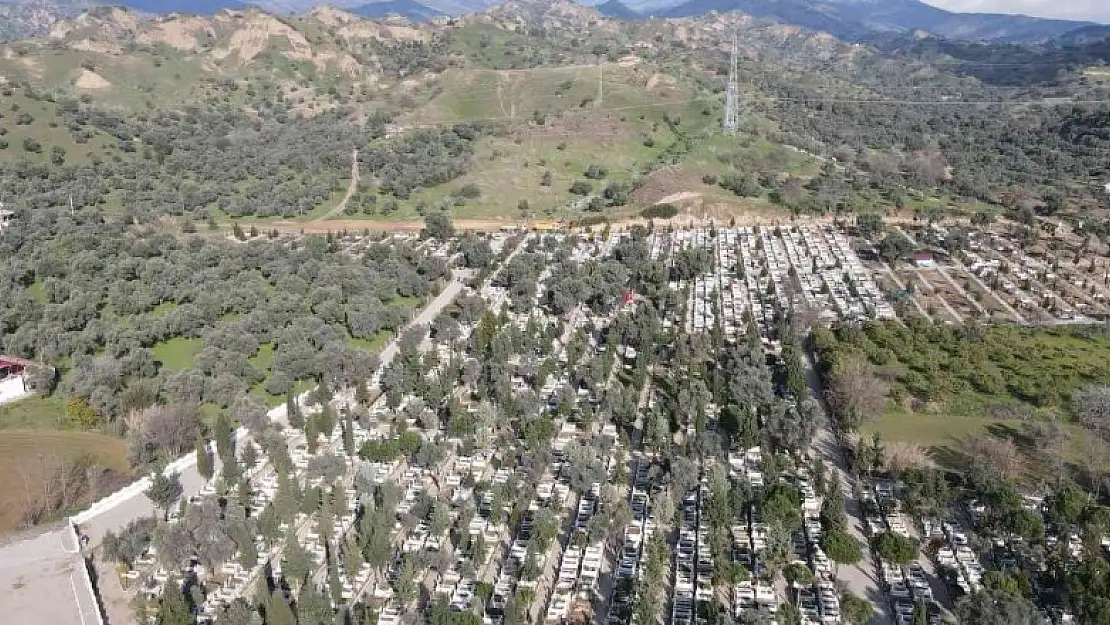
[20, 362]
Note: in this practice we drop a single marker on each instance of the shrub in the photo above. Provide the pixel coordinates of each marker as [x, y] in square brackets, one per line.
[659, 211]
[581, 187]
[595, 172]
[470, 191]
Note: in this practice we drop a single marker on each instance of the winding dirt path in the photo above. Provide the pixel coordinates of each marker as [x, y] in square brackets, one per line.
[352, 188]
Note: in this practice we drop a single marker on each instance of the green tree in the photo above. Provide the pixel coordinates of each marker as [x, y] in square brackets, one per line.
[221, 431]
[994, 607]
[856, 611]
[894, 246]
[788, 614]
[782, 507]
[870, 224]
[798, 574]
[164, 490]
[172, 609]
[895, 548]
[841, 547]
[204, 459]
[1066, 505]
[920, 613]
[278, 611]
[80, 414]
[293, 410]
[438, 226]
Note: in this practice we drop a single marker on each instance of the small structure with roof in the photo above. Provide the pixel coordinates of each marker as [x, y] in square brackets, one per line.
[923, 259]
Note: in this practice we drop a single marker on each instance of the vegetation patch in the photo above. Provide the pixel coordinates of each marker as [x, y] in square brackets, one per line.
[973, 370]
[1003, 395]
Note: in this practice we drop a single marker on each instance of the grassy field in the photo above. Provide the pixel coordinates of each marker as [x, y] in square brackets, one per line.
[549, 123]
[508, 167]
[27, 455]
[177, 354]
[371, 345]
[34, 413]
[944, 437]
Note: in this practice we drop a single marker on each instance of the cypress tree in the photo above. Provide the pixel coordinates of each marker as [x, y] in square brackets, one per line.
[172, 609]
[204, 459]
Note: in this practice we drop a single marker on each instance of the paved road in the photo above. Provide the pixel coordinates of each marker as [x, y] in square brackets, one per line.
[860, 579]
[41, 581]
[426, 316]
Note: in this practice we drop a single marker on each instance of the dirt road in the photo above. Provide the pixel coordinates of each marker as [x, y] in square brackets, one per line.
[352, 187]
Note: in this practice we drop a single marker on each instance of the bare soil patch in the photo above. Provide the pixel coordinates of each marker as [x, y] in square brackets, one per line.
[91, 80]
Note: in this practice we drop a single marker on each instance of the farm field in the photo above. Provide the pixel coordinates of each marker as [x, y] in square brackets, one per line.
[26, 456]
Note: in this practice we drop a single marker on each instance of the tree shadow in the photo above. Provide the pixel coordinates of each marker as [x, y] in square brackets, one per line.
[1018, 436]
[950, 457]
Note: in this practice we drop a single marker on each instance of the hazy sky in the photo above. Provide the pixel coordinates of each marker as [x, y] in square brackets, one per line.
[1094, 10]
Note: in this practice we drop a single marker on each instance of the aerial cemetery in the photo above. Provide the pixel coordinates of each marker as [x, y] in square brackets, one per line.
[626, 427]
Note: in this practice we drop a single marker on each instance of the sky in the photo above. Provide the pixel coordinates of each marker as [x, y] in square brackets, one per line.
[1093, 10]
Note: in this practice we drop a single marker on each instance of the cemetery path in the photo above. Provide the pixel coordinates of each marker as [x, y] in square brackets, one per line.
[861, 578]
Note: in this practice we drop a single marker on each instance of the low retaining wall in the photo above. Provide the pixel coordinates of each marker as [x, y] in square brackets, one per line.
[87, 582]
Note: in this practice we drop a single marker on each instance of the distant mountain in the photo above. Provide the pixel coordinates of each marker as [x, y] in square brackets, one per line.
[1086, 35]
[905, 15]
[1002, 64]
[812, 14]
[192, 7]
[858, 20]
[33, 18]
[618, 10]
[405, 8]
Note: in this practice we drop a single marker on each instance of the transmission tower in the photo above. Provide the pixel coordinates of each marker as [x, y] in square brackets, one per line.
[732, 96]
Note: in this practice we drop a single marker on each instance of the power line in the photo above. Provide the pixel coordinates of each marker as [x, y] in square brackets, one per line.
[1041, 102]
[1059, 63]
[785, 100]
[570, 112]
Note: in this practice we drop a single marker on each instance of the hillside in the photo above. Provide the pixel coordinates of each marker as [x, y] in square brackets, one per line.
[529, 110]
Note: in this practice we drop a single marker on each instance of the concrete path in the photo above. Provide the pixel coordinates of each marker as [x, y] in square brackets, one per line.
[861, 579]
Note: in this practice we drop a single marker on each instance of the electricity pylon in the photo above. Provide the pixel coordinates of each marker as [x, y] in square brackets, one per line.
[732, 96]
